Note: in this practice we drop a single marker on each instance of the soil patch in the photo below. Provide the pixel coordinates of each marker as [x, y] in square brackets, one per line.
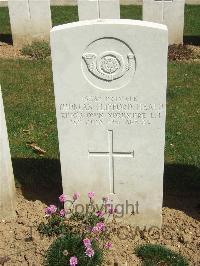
[9, 51]
[21, 244]
[183, 53]
[175, 53]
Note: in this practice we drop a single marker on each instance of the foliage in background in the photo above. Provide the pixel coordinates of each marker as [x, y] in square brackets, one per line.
[37, 50]
[156, 255]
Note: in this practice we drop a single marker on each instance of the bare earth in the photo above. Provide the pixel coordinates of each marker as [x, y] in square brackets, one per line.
[181, 233]
[8, 51]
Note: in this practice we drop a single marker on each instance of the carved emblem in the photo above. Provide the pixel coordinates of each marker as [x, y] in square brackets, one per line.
[109, 65]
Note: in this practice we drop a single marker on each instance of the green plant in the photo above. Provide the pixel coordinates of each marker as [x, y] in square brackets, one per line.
[82, 237]
[37, 50]
[70, 245]
[54, 226]
[153, 255]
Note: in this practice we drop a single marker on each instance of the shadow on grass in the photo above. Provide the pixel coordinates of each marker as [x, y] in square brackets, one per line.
[192, 40]
[182, 189]
[7, 38]
[40, 179]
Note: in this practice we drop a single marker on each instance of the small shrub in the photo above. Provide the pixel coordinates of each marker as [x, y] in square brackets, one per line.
[71, 245]
[37, 50]
[82, 238]
[153, 255]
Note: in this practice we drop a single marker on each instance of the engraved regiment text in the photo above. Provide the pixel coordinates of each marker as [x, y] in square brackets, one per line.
[110, 110]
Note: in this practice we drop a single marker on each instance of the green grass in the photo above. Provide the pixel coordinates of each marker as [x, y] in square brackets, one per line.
[155, 255]
[64, 14]
[28, 84]
[4, 21]
[183, 112]
[29, 104]
[192, 20]
[131, 12]
[37, 50]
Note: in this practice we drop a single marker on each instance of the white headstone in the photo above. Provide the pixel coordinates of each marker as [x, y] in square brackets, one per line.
[30, 21]
[98, 9]
[110, 79]
[7, 184]
[168, 12]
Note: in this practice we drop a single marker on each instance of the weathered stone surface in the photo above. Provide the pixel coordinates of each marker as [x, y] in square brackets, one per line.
[169, 13]
[7, 185]
[30, 21]
[98, 9]
[110, 92]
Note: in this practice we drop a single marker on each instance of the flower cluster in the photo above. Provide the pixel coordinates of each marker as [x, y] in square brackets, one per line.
[73, 261]
[88, 247]
[50, 210]
[91, 195]
[108, 245]
[99, 227]
[63, 198]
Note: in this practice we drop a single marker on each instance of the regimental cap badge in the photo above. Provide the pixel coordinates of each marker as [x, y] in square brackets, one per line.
[107, 68]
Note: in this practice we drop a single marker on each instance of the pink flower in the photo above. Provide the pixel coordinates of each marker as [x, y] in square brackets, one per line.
[91, 195]
[63, 198]
[95, 229]
[98, 228]
[76, 195]
[87, 242]
[89, 252]
[62, 213]
[99, 213]
[101, 226]
[50, 210]
[108, 245]
[73, 261]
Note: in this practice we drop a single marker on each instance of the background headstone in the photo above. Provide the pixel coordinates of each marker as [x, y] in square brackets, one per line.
[110, 80]
[98, 9]
[7, 184]
[168, 12]
[30, 21]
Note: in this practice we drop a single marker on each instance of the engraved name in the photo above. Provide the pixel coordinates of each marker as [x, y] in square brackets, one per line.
[111, 110]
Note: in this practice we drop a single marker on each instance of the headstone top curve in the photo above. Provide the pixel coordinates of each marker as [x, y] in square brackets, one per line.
[111, 22]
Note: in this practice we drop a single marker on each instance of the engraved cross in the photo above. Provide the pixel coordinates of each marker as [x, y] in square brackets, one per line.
[110, 154]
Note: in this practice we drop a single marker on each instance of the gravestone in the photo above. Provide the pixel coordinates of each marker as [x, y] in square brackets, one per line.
[7, 185]
[30, 21]
[110, 92]
[98, 9]
[168, 12]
